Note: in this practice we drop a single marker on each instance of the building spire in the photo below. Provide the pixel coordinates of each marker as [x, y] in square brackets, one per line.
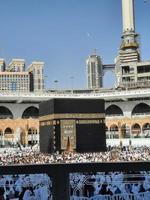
[129, 37]
[129, 52]
[128, 16]
[95, 51]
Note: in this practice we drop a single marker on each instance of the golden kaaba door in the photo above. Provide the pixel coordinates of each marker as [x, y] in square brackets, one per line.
[68, 131]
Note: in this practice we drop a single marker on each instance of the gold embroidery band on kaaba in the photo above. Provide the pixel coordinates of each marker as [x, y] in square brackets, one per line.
[72, 116]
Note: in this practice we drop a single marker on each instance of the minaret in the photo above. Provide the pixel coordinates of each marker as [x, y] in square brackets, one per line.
[129, 37]
[128, 15]
[129, 48]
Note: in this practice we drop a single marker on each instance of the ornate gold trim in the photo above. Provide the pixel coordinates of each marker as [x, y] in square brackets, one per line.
[89, 121]
[72, 116]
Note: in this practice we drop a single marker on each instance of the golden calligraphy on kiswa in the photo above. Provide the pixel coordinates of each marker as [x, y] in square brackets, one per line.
[68, 131]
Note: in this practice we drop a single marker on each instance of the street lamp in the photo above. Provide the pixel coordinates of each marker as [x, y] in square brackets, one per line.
[72, 82]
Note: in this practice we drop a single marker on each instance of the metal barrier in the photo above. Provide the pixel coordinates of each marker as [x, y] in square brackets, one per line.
[78, 198]
[60, 181]
[101, 197]
[140, 196]
[97, 197]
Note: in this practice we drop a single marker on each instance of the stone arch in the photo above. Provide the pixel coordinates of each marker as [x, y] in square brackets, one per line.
[33, 136]
[136, 130]
[31, 111]
[114, 127]
[114, 110]
[146, 130]
[5, 113]
[8, 136]
[8, 130]
[125, 131]
[141, 109]
[114, 131]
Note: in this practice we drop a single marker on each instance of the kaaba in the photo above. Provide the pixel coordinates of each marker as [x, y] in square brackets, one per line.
[72, 124]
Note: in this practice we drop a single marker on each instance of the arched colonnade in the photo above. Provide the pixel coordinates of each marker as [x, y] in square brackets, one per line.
[21, 131]
[120, 126]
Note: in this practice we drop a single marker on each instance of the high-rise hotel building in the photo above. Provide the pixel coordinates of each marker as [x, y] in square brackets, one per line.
[94, 72]
[15, 77]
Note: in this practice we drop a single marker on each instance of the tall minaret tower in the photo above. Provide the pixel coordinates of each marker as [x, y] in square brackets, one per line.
[128, 15]
[129, 48]
[129, 37]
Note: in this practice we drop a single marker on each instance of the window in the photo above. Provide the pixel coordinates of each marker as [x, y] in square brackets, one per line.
[13, 86]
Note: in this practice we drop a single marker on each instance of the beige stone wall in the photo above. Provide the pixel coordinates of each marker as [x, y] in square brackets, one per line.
[23, 124]
[26, 124]
[128, 121]
[120, 121]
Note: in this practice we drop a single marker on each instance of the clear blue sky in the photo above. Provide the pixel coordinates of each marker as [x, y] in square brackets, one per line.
[62, 33]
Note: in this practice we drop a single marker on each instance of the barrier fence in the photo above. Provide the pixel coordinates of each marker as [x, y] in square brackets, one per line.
[140, 196]
[60, 177]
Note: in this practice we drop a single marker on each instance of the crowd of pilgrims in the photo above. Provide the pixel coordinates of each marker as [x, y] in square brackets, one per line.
[34, 186]
[110, 186]
[30, 156]
[25, 187]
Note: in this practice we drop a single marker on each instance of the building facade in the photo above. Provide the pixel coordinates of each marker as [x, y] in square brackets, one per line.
[128, 119]
[127, 107]
[94, 72]
[19, 121]
[19, 124]
[16, 78]
[130, 70]
[127, 116]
